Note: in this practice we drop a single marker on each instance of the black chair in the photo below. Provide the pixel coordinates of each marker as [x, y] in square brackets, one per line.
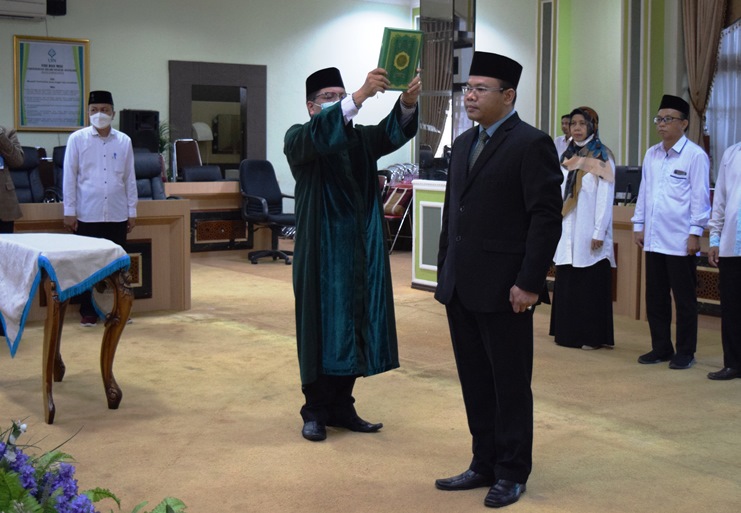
[262, 205]
[202, 174]
[148, 170]
[27, 179]
[55, 193]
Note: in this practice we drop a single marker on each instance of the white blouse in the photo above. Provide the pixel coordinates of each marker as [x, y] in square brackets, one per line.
[590, 219]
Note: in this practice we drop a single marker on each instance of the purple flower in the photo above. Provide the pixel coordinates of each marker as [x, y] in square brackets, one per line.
[25, 470]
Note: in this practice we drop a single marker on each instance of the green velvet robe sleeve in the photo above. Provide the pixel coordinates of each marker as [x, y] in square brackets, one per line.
[345, 322]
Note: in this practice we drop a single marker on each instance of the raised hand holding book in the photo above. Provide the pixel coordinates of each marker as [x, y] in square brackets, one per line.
[400, 50]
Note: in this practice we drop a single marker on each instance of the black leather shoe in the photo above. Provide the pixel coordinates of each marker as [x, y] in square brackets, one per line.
[356, 424]
[504, 493]
[682, 361]
[653, 357]
[465, 481]
[314, 431]
[725, 374]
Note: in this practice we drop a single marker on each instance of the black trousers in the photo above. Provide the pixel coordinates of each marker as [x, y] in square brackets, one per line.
[114, 232]
[668, 275]
[730, 304]
[328, 399]
[494, 356]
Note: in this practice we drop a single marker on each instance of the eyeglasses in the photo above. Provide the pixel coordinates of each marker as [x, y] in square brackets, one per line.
[665, 119]
[479, 90]
[331, 96]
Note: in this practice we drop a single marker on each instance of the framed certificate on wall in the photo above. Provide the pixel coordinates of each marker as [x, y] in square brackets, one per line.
[51, 82]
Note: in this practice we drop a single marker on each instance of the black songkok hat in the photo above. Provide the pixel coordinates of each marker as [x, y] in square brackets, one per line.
[100, 97]
[327, 77]
[492, 65]
[676, 103]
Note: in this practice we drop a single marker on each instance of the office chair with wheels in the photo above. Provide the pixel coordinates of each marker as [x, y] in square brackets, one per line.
[202, 174]
[27, 178]
[148, 171]
[54, 193]
[262, 205]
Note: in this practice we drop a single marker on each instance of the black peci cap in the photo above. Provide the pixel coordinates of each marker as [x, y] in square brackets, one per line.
[100, 97]
[675, 102]
[327, 77]
[496, 66]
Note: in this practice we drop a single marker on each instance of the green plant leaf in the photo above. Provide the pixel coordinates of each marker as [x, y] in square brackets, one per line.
[170, 505]
[13, 497]
[138, 507]
[98, 494]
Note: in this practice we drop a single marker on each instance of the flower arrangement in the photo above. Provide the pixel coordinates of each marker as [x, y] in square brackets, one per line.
[46, 484]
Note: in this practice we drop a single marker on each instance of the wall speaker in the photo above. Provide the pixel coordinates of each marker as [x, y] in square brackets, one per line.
[56, 7]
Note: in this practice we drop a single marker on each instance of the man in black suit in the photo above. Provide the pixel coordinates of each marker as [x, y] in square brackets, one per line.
[501, 225]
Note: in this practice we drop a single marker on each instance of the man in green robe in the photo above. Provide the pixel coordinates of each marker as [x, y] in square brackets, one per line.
[345, 325]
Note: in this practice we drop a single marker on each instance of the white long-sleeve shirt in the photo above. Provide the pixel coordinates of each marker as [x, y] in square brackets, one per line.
[561, 142]
[99, 180]
[590, 219]
[725, 223]
[674, 198]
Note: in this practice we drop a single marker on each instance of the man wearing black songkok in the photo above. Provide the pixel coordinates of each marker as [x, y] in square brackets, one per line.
[501, 225]
[345, 324]
[672, 211]
[100, 195]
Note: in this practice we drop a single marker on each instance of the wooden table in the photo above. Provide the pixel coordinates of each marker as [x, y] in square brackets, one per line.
[66, 265]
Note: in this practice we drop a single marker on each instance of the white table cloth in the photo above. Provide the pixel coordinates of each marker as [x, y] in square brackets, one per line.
[75, 263]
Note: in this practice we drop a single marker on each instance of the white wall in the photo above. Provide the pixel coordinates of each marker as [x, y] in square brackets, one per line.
[132, 41]
[509, 28]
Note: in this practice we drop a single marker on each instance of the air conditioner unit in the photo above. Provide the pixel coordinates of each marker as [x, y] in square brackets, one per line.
[34, 10]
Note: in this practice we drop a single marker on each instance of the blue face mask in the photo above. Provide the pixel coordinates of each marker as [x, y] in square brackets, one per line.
[328, 104]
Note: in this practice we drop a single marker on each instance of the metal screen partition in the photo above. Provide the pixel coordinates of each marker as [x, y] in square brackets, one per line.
[437, 61]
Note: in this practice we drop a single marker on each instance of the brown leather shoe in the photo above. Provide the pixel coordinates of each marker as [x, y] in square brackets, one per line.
[468, 480]
[725, 374]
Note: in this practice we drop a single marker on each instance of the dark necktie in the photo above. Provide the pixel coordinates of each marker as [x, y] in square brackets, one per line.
[483, 137]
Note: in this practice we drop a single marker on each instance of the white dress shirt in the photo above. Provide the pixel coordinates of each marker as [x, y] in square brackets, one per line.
[590, 219]
[99, 180]
[561, 142]
[725, 223]
[674, 198]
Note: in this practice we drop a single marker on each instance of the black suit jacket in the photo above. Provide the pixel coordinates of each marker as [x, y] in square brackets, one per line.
[502, 220]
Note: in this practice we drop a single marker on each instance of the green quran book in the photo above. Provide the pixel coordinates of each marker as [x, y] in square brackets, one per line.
[400, 56]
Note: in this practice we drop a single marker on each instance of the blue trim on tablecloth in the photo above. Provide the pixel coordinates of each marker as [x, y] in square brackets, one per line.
[13, 346]
[120, 263]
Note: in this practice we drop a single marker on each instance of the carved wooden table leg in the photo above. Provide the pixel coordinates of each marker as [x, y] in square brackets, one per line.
[52, 364]
[114, 325]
